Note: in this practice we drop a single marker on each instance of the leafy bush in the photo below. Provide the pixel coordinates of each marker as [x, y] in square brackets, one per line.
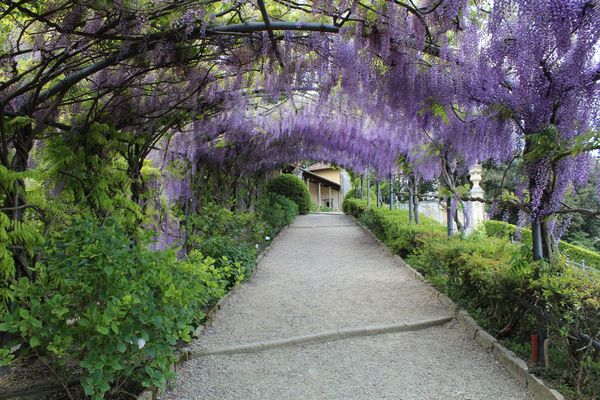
[215, 220]
[574, 253]
[114, 307]
[354, 194]
[235, 259]
[232, 239]
[354, 207]
[277, 211]
[293, 188]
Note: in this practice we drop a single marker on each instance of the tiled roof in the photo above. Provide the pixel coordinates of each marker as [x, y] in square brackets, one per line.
[318, 166]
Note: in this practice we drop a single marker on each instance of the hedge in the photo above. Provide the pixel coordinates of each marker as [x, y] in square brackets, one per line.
[574, 253]
[494, 279]
[293, 188]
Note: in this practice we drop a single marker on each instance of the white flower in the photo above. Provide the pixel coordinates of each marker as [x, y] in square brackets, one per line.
[257, 245]
[141, 343]
[267, 238]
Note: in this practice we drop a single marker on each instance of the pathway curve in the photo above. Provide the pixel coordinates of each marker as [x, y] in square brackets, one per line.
[325, 273]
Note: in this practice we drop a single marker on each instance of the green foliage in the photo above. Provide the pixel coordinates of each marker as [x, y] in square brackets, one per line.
[232, 238]
[355, 191]
[352, 193]
[92, 174]
[500, 183]
[234, 259]
[293, 188]
[493, 277]
[277, 211]
[584, 231]
[227, 237]
[354, 207]
[549, 144]
[393, 227]
[14, 233]
[314, 207]
[103, 305]
[574, 253]
[215, 220]
[435, 108]
[111, 305]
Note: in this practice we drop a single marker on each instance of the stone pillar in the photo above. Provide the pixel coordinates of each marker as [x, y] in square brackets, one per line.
[319, 195]
[476, 208]
[298, 172]
[330, 198]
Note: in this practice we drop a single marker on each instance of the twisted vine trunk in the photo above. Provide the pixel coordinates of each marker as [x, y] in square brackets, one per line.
[15, 201]
[541, 246]
[413, 200]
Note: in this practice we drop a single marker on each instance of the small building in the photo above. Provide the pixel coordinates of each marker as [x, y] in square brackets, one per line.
[325, 183]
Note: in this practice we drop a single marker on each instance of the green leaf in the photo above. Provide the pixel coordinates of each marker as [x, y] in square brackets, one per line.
[121, 347]
[36, 323]
[34, 341]
[102, 329]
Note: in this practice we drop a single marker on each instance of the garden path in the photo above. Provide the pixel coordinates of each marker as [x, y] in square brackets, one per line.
[325, 273]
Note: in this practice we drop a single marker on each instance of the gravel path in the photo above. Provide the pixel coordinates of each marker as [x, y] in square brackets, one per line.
[326, 273]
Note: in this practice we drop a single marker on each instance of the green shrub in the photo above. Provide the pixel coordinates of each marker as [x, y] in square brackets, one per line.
[113, 307]
[277, 211]
[354, 207]
[234, 259]
[215, 220]
[351, 194]
[233, 238]
[580, 254]
[574, 253]
[293, 188]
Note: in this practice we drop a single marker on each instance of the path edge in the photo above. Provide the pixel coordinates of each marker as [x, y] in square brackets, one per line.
[185, 354]
[513, 364]
[322, 337]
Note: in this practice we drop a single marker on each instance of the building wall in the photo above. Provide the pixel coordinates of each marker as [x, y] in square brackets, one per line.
[436, 211]
[335, 194]
[329, 174]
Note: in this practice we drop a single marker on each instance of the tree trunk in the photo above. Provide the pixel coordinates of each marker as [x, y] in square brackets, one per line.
[536, 236]
[16, 195]
[459, 225]
[362, 184]
[411, 204]
[416, 209]
[369, 191]
[449, 222]
[391, 192]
